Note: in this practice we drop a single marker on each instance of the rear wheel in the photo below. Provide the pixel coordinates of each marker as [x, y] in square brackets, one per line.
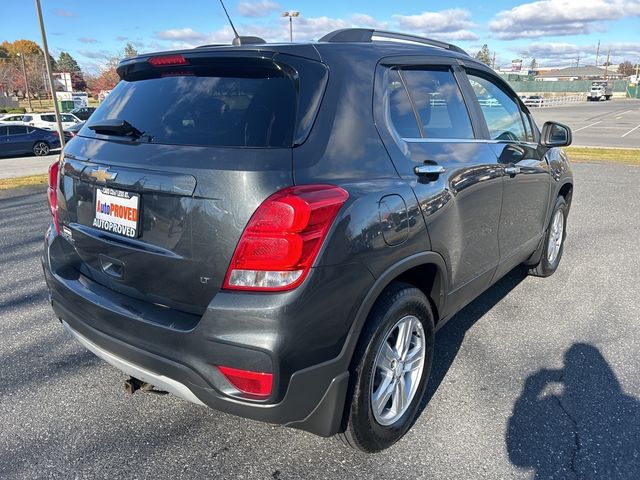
[41, 149]
[393, 364]
[553, 243]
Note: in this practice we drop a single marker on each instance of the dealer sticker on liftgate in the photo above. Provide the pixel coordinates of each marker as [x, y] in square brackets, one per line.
[117, 211]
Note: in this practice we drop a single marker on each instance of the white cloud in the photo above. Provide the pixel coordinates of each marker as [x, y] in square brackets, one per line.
[560, 17]
[263, 8]
[87, 40]
[565, 54]
[452, 25]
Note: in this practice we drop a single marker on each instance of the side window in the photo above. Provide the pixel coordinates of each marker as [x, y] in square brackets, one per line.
[3, 131]
[439, 103]
[403, 117]
[48, 118]
[500, 111]
[27, 118]
[16, 130]
[67, 118]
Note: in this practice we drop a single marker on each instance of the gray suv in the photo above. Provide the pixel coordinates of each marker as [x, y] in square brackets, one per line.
[277, 230]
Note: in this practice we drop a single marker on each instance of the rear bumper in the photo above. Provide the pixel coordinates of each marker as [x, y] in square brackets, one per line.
[290, 335]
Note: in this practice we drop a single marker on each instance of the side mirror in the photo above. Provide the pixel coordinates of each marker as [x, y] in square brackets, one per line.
[555, 135]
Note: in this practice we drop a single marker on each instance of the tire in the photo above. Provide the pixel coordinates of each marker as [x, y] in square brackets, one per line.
[372, 429]
[41, 148]
[551, 250]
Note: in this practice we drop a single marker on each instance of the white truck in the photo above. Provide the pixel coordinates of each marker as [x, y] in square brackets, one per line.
[600, 90]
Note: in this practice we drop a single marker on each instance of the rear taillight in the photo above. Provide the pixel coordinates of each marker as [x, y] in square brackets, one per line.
[52, 193]
[258, 384]
[283, 238]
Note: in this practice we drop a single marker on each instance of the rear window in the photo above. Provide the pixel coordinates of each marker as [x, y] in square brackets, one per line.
[225, 111]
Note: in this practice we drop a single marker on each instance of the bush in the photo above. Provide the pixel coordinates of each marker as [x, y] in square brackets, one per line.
[17, 110]
[2, 110]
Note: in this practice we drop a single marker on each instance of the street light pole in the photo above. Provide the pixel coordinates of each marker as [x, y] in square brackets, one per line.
[290, 15]
[47, 62]
[26, 83]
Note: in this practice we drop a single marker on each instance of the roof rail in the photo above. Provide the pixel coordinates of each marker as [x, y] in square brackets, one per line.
[367, 34]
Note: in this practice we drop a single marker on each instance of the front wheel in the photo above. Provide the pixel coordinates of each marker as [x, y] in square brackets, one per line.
[41, 149]
[394, 359]
[553, 242]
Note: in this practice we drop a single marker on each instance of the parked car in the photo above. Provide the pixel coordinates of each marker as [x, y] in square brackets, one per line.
[83, 113]
[73, 130]
[11, 118]
[534, 101]
[48, 120]
[16, 139]
[253, 234]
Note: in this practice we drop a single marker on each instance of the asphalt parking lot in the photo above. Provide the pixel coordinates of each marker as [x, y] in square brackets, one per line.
[615, 123]
[11, 167]
[538, 378]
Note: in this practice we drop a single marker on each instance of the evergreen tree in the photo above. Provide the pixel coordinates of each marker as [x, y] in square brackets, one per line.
[130, 50]
[66, 63]
[484, 55]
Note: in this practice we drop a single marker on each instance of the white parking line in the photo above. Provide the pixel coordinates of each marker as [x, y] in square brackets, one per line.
[632, 130]
[582, 128]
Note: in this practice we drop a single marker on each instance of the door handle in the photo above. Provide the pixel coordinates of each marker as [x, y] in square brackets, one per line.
[429, 170]
[512, 170]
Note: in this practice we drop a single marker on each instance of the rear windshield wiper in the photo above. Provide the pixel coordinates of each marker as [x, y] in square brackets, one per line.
[115, 126]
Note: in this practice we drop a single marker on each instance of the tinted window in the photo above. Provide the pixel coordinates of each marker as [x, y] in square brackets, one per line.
[401, 112]
[439, 103]
[16, 130]
[68, 118]
[3, 131]
[251, 111]
[48, 118]
[27, 118]
[500, 110]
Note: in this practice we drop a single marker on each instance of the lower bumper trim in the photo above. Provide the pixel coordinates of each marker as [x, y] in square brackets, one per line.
[157, 380]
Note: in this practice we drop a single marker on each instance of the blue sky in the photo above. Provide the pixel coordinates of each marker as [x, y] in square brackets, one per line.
[555, 32]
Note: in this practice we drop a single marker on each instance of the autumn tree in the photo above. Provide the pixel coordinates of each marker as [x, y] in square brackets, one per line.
[627, 68]
[484, 55]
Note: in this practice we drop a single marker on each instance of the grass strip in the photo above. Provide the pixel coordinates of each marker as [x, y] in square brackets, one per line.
[7, 183]
[624, 156]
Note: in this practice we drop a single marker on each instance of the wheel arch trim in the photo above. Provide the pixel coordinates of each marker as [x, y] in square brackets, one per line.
[383, 280]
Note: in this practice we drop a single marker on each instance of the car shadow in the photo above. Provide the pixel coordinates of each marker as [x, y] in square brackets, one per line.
[576, 422]
[450, 337]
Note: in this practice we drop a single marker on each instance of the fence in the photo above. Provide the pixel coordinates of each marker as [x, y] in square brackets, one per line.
[555, 101]
[561, 86]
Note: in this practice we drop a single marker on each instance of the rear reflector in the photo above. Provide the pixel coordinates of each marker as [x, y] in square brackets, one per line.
[283, 238]
[253, 383]
[52, 193]
[168, 60]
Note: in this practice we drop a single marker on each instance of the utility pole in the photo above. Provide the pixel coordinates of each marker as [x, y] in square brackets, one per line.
[290, 16]
[597, 53]
[493, 62]
[47, 61]
[578, 61]
[26, 83]
[606, 65]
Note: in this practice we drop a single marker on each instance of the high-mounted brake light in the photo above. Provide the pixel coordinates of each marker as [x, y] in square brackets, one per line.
[168, 60]
[52, 193]
[283, 238]
[253, 383]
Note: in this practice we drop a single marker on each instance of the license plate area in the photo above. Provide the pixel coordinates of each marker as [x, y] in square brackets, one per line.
[117, 211]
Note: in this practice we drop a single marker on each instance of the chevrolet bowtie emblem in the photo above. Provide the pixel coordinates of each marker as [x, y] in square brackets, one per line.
[103, 175]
